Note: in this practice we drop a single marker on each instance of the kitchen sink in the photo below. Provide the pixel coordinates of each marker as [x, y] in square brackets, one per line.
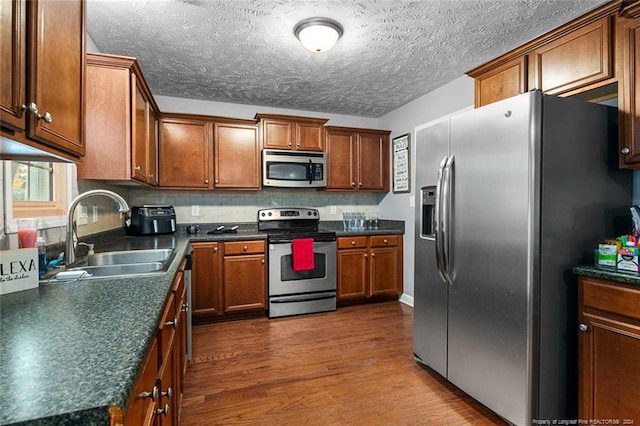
[119, 264]
[128, 257]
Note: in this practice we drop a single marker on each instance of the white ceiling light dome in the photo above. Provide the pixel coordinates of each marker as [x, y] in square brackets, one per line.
[318, 35]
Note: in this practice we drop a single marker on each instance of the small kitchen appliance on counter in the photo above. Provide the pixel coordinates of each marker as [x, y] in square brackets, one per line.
[295, 289]
[152, 220]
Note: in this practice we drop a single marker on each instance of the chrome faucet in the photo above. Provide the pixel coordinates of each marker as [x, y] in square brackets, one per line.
[123, 207]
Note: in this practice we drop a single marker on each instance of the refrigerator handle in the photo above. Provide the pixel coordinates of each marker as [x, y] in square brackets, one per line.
[438, 221]
[447, 204]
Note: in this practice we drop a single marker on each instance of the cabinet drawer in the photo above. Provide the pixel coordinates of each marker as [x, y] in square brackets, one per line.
[611, 298]
[243, 247]
[352, 242]
[384, 241]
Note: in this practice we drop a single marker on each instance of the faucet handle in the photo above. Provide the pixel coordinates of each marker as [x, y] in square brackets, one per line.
[88, 245]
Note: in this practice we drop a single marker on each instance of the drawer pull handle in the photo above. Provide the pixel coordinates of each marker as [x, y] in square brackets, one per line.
[245, 248]
[583, 327]
[168, 393]
[173, 323]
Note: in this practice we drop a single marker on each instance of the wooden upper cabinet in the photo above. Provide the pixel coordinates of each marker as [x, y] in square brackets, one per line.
[357, 159]
[41, 104]
[291, 132]
[572, 59]
[576, 62]
[184, 148]
[628, 55]
[120, 121]
[505, 81]
[237, 155]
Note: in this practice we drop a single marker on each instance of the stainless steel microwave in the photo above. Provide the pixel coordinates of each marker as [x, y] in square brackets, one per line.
[293, 169]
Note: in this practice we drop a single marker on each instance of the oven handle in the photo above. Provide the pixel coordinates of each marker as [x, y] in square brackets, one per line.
[303, 299]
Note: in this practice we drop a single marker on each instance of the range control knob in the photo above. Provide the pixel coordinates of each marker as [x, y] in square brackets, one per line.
[315, 213]
[262, 214]
[308, 213]
[269, 214]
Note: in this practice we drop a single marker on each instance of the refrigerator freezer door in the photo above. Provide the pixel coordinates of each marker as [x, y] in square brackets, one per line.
[430, 293]
[488, 346]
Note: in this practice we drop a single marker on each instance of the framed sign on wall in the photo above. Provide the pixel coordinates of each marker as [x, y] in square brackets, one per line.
[401, 174]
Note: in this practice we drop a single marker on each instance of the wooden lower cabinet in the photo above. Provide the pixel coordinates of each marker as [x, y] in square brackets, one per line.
[228, 277]
[609, 348]
[369, 267]
[156, 397]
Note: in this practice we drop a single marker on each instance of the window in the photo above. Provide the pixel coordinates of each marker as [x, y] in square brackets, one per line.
[36, 189]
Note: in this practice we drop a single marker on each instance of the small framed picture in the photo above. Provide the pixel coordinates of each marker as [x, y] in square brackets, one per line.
[400, 148]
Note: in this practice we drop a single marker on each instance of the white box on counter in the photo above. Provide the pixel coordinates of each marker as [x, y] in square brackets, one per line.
[18, 270]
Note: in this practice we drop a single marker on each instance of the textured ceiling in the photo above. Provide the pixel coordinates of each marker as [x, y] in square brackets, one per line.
[244, 51]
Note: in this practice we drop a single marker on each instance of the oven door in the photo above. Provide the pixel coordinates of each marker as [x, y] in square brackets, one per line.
[283, 280]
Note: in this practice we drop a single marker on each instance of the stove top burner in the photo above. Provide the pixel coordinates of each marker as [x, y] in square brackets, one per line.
[286, 224]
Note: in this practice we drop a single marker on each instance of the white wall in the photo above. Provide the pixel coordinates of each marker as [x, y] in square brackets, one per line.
[224, 109]
[445, 100]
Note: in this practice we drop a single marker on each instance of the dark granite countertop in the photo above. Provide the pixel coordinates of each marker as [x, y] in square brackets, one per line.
[69, 350]
[608, 273]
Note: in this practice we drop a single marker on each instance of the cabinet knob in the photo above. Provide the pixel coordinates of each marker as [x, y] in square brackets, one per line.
[262, 261]
[173, 323]
[168, 393]
[298, 144]
[373, 255]
[46, 117]
[359, 184]
[215, 249]
[185, 307]
[366, 256]
[216, 181]
[353, 243]
[290, 144]
[206, 181]
[583, 327]
[353, 184]
[385, 241]
[31, 107]
[164, 411]
[150, 175]
[625, 150]
[153, 394]
[245, 248]
[137, 168]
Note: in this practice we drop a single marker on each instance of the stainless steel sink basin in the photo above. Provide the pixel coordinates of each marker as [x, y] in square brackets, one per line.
[118, 270]
[119, 264]
[129, 256]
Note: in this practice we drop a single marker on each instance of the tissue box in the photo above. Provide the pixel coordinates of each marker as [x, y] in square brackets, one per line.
[628, 259]
[18, 270]
[607, 254]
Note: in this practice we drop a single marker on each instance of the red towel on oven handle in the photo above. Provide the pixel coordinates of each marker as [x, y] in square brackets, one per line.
[302, 249]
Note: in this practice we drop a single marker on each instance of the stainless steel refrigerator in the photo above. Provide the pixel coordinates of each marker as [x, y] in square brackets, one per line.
[512, 195]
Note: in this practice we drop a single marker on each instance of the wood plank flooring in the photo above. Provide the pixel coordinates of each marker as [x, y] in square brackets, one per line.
[350, 367]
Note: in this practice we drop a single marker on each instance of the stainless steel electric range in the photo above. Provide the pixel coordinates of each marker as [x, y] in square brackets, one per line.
[296, 292]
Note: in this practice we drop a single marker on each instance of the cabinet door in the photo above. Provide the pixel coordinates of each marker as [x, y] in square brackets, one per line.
[140, 133]
[13, 18]
[310, 136]
[142, 408]
[168, 396]
[184, 148]
[180, 293]
[245, 283]
[56, 73]
[373, 164]
[384, 271]
[152, 148]
[609, 369]
[277, 134]
[352, 274]
[629, 85]
[206, 274]
[503, 82]
[237, 156]
[341, 159]
[574, 62]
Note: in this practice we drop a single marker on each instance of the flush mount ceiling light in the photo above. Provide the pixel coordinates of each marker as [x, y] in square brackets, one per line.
[318, 34]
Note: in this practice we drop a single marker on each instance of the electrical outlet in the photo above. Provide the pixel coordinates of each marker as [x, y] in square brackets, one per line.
[195, 210]
[333, 210]
[95, 214]
[83, 215]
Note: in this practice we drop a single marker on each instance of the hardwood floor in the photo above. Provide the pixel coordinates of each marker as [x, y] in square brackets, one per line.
[350, 367]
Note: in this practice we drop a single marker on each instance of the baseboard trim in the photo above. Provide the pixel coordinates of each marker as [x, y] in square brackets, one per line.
[406, 299]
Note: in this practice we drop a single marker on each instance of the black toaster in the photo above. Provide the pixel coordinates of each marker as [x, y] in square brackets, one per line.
[152, 220]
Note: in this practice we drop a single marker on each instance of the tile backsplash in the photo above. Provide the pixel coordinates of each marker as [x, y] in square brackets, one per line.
[240, 206]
